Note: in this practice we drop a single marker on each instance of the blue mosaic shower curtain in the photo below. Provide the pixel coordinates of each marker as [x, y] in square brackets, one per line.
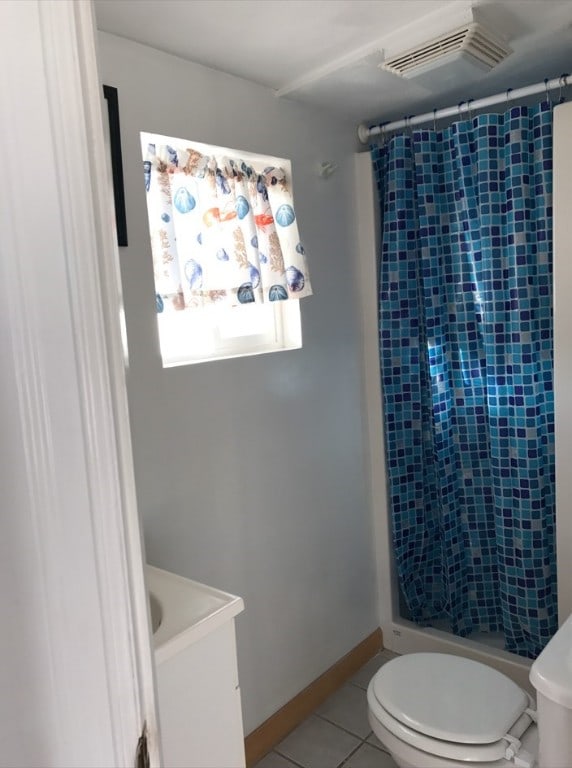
[466, 358]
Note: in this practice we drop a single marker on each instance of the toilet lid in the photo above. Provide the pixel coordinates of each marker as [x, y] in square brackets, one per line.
[449, 698]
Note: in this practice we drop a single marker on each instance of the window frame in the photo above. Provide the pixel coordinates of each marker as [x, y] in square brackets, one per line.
[282, 332]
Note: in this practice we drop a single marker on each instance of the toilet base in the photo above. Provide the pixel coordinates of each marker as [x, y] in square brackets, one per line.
[407, 756]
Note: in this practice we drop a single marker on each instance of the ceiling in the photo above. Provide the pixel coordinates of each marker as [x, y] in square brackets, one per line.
[327, 52]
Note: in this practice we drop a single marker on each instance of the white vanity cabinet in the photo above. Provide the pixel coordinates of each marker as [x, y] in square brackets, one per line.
[197, 676]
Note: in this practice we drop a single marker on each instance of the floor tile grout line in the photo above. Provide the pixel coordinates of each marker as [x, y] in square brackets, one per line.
[351, 754]
[359, 746]
[379, 749]
[290, 760]
[362, 739]
[342, 728]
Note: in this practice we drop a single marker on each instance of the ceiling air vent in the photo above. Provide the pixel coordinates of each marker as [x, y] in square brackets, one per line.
[452, 59]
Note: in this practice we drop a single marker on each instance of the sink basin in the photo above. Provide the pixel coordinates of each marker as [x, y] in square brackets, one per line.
[156, 612]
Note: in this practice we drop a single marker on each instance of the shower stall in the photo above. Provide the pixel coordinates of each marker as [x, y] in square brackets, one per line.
[401, 634]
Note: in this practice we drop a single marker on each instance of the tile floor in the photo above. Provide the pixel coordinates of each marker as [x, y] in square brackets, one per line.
[338, 733]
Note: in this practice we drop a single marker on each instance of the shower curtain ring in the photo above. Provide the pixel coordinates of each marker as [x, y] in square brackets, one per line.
[408, 125]
[562, 84]
[435, 120]
[469, 109]
[508, 96]
[460, 108]
[547, 89]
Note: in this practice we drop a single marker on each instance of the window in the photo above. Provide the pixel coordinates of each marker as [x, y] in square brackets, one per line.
[216, 333]
[229, 266]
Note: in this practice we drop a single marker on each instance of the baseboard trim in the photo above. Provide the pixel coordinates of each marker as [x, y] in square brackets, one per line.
[278, 726]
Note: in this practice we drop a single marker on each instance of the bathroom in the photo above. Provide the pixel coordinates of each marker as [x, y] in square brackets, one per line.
[252, 474]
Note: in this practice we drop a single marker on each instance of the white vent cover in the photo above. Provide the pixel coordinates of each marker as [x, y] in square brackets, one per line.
[471, 50]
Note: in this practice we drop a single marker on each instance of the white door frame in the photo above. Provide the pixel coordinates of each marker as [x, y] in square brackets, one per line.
[562, 164]
[68, 458]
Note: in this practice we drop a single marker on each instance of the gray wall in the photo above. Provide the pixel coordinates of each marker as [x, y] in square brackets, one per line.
[250, 472]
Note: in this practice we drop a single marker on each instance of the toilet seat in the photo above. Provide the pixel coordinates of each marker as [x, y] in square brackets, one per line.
[416, 697]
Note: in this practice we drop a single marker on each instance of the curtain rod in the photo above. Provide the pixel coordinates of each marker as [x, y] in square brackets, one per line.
[365, 133]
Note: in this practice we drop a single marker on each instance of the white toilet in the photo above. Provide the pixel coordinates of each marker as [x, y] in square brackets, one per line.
[434, 710]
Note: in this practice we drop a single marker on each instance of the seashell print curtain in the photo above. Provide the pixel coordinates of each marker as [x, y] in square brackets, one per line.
[221, 233]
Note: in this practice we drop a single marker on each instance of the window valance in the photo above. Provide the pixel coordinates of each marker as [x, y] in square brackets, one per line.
[221, 231]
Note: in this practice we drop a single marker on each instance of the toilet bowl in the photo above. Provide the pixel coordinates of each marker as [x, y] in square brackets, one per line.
[436, 710]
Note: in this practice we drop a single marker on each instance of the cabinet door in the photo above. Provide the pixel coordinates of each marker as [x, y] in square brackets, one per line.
[199, 704]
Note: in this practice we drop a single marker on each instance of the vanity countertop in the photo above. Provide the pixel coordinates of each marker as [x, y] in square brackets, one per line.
[189, 610]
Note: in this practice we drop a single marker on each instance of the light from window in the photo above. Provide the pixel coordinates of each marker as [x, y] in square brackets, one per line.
[217, 333]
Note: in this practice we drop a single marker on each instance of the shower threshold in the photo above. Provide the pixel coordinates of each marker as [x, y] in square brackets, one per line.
[402, 636]
[492, 639]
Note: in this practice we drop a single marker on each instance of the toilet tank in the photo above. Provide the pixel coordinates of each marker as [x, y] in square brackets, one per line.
[551, 675]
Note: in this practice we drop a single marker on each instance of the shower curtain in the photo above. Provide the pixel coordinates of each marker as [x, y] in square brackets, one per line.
[466, 358]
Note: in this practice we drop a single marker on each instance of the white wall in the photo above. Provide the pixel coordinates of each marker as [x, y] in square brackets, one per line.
[250, 472]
